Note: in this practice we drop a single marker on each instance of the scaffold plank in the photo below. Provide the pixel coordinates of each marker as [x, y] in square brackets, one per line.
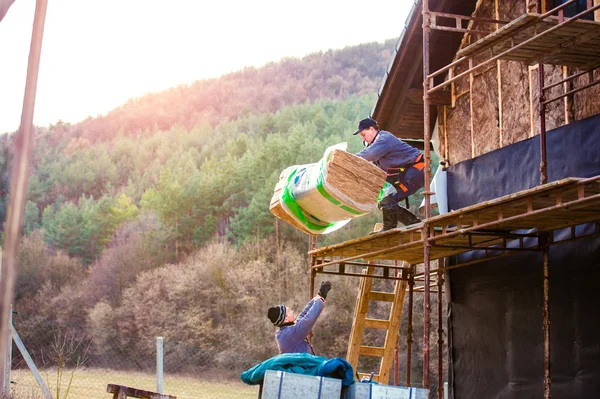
[572, 45]
[490, 224]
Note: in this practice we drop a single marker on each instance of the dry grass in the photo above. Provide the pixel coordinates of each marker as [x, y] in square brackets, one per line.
[91, 383]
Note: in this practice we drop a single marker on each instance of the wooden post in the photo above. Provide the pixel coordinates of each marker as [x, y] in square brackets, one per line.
[471, 124]
[19, 177]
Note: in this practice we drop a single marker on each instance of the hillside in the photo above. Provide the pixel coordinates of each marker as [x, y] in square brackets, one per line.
[169, 194]
[335, 74]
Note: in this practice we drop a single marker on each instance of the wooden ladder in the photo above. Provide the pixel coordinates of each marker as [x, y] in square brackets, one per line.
[391, 325]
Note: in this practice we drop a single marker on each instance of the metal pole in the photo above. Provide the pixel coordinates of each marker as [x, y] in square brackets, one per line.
[313, 275]
[543, 161]
[160, 356]
[543, 164]
[32, 367]
[396, 366]
[409, 329]
[313, 262]
[19, 177]
[426, 192]
[8, 368]
[4, 381]
[440, 287]
[6, 364]
[546, 323]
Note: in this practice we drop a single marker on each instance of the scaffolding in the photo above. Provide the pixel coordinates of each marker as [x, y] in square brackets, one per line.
[525, 221]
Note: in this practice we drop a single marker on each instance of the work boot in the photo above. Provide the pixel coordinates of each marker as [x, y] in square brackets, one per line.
[405, 217]
[390, 219]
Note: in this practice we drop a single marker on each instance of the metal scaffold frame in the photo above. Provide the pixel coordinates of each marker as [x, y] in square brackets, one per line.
[429, 87]
[487, 229]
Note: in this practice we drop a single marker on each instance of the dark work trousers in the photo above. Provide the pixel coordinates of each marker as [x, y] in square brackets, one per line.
[405, 184]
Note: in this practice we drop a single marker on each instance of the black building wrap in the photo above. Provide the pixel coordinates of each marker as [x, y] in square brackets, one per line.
[495, 322]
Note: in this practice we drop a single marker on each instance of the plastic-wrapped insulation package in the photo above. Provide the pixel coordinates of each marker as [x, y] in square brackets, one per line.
[322, 197]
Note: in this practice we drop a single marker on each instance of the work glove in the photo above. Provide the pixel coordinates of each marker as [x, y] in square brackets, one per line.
[325, 287]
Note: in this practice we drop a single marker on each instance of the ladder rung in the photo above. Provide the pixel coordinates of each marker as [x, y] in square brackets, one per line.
[371, 351]
[374, 323]
[381, 296]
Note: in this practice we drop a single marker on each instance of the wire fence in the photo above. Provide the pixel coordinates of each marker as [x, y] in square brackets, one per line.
[79, 362]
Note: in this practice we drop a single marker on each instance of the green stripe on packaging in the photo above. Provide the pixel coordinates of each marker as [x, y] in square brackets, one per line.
[294, 208]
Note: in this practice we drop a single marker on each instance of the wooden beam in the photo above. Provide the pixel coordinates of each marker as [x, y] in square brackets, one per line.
[442, 97]
[124, 391]
[398, 108]
[371, 351]
[376, 323]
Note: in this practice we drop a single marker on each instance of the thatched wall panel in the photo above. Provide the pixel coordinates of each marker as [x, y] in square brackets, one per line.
[586, 103]
[555, 111]
[516, 117]
[459, 130]
[486, 132]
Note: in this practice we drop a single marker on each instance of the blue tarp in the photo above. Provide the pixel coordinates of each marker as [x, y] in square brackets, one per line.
[302, 363]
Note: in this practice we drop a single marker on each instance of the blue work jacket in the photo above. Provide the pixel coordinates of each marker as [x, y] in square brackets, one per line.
[388, 151]
[294, 338]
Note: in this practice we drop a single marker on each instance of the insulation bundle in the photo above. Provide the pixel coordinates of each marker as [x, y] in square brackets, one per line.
[322, 197]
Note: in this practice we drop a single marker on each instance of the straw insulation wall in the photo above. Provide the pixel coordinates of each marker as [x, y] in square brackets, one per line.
[498, 106]
[484, 93]
[514, 86]
[587, 102]
[555, 111]
[458, 130]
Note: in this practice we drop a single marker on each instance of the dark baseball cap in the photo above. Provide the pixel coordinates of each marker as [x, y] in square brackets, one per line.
[365, 124]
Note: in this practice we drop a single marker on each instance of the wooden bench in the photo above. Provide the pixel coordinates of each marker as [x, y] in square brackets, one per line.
[123, 392]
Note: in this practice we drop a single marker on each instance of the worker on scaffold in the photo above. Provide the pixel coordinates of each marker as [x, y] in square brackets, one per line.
[403, 164]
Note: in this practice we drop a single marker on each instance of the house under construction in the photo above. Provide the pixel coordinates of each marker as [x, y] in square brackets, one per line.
[505, 92]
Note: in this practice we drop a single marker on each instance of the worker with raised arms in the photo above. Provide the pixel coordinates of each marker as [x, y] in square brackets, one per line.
[292, 335]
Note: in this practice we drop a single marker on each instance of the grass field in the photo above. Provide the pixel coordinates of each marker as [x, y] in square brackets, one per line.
[91, 383]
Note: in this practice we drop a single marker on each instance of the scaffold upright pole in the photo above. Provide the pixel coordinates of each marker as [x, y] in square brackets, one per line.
[546, 312]
[313, 272]
[440, 288]
[426, 193]
[396, 357]
[409, 328]
[543, 161]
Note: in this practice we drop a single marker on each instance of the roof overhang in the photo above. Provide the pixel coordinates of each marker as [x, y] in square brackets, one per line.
[399, 106]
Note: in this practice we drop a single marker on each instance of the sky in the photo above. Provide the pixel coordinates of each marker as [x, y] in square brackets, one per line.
[96, 54]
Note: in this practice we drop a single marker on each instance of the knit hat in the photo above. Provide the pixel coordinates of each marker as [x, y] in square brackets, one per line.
[277, 314]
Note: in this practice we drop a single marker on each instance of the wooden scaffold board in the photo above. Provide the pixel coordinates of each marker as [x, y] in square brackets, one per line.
[576, 44]
[553, 206]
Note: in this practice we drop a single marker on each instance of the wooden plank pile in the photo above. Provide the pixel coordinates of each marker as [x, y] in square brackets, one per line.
[124, 392]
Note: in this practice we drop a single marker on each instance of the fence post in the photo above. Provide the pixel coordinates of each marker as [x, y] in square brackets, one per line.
[8, 359]
[4, 365]
[159, 364]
